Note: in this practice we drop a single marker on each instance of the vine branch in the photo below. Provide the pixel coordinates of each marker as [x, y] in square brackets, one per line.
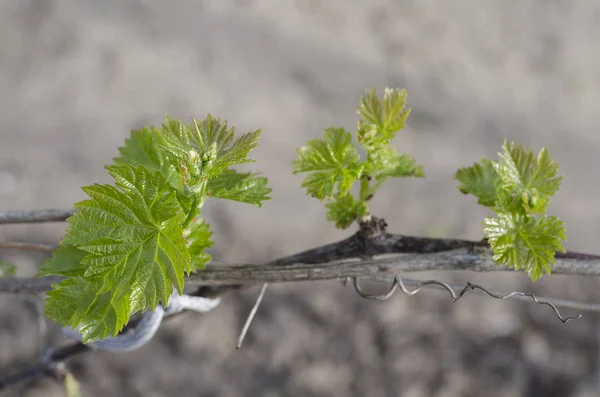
[27, 246]
[478, 260]
[370, 252]
[36, 216]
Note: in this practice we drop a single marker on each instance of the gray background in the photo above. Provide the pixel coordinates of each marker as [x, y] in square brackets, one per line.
[76, 76]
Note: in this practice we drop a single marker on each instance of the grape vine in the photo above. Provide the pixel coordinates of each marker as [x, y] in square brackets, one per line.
[131, 244]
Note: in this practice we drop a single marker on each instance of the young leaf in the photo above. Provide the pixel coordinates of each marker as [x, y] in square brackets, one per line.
[86, 304]
[141, 148]
[481, 180]
[331, 162]
[207, 148]
[135, 249]
[198, 240]
[387, 162]
[243, 187]
[381, 118]
[345, 210]
[518, 189]
[7, 269]
[525, 242]
[527, 178]
[65, 261]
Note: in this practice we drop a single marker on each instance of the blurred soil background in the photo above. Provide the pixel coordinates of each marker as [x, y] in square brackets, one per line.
[77, 76]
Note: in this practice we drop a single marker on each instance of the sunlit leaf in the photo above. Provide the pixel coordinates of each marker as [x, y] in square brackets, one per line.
[243, 187]
[332, 163]
[345, 210]
[524, 242]
[135, 249]
[198, 240]
[480, 180]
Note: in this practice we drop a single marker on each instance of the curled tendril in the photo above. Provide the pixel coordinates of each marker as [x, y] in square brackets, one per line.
[398, 283]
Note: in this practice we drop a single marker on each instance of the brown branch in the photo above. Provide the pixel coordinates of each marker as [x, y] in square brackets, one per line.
[415, 254]
[372, 239]
[27, 246]
[356, 256]
[478, 260]
[34, 216]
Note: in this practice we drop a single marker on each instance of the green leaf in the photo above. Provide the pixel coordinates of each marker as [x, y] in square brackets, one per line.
[82, 300]
[481, 180]
[205, 149]
[525, 242]
[243, 187]
[528, 179]
[381, 118]
[141, 148]
[331, 162]
[135, 249]
[387, 162]
[345, 210]
[7, 269]
[65, 261]
[198, 240]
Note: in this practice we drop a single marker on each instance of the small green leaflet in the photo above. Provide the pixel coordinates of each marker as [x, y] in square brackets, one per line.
[525, 242]
[387, 162]
[345, 210]
[7, 269]
[331, 162]
[529, 179]
[518, 189]
[206, 148]
[243, 187]
[197, 236]
[141, 149]
[380, 119]
[481, 180]
[135, 253]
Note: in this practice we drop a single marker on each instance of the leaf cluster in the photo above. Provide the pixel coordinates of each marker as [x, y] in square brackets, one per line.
[129, 246]
[518, 188]
[333, 164]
